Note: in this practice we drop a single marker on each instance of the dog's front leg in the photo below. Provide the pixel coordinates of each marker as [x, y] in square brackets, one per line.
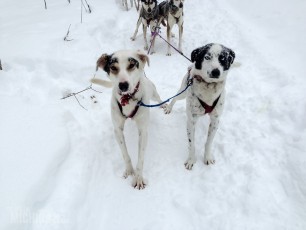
[182, 96]
[169, 28]
[145, 36]
[157, 98]
[136, 31]
[154, 30]
[180, 37]
[142, 125]
[191, 121]
[213, 126]
[118, 127]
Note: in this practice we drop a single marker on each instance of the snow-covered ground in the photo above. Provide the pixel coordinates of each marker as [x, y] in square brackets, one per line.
[60, 166]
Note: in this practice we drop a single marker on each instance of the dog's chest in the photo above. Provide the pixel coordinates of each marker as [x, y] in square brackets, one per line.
[128, 108]
[207, 93]
[175, 17]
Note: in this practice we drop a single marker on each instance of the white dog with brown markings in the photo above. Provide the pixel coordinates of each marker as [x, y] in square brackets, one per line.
[206, 95]
[125, 69]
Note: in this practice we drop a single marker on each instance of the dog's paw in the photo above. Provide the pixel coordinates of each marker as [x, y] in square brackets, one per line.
[139, 182]
[133, 38]
[189, 163]
[167, 109]
[209, 159]
[128, 172]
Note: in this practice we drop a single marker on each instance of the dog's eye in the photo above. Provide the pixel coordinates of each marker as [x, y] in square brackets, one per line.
[207, 57]
[113, 68]
[131, 66]
[222, 58]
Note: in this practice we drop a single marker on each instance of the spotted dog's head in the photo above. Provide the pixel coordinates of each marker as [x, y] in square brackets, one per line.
[212, 62]
[149, 5]
[177, 3]
[124, 68]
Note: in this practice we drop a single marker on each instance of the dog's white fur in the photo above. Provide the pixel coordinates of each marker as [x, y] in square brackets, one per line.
[146, 92]
[177, 18]
[208, 90]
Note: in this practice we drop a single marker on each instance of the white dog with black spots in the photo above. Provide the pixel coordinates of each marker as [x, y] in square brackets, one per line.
[206, 95]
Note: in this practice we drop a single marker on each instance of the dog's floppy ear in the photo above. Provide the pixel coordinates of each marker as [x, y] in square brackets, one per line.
[103, 62]
[198, 54]
[143, 57]
[230, 57]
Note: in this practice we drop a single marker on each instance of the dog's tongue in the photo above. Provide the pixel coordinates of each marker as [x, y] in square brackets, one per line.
[125, 99]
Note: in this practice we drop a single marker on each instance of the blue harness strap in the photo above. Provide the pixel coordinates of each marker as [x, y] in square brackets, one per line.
[189, 83]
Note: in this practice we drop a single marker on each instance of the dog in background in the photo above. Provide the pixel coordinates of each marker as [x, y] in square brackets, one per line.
[206, 95]
[148, 13]
[125, 69]
[172, 12]
[175, 16]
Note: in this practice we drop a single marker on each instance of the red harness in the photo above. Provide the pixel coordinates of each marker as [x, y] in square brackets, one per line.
[124, 100]
[208, 108]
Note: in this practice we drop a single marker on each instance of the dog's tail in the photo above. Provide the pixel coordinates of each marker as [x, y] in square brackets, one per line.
[236, 64]
[107, 84]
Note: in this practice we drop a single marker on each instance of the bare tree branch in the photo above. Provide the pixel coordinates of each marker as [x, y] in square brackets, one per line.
[88, 6]
[79, 102]
[45, 4]
[66, 37]
[81, 91]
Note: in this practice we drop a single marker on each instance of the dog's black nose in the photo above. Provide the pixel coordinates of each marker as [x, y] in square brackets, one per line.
[123, 86]
[215, 73]
[181, 5]
[149, 10]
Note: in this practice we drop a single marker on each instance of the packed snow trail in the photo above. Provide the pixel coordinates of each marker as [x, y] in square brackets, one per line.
[62, 166]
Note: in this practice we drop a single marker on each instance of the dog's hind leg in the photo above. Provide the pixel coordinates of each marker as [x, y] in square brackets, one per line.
[213, 126]
[191, 121]
[118, 127]
[142, 125]
[182, 96]
[136, 30]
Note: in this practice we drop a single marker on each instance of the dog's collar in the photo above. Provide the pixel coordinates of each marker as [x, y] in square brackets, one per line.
[209, 108]
[199, 79]
[124, 100]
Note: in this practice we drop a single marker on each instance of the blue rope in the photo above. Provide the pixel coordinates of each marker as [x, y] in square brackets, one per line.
[189, 83]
